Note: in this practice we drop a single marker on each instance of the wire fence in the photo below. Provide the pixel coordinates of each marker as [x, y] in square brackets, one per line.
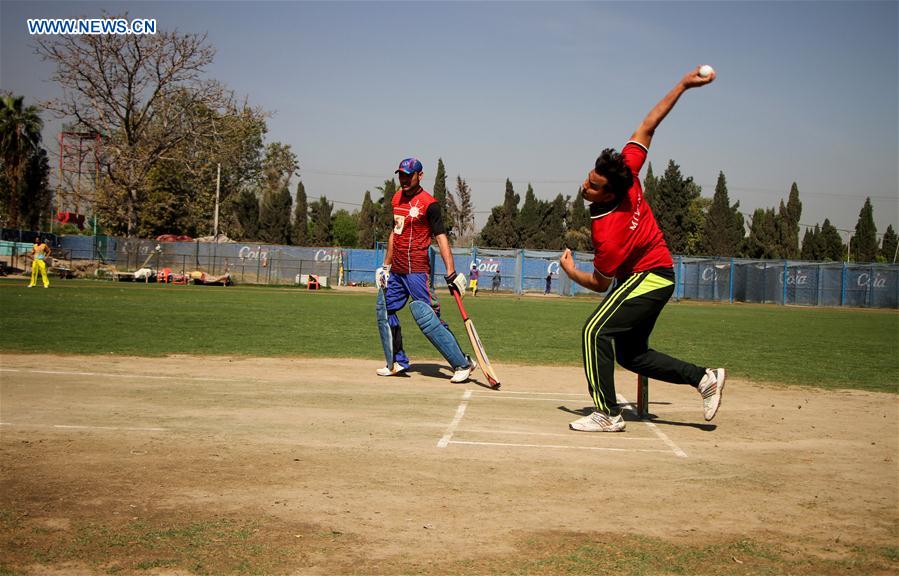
[517, 271]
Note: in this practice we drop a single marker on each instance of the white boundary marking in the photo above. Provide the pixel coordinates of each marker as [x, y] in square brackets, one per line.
[117, 375]
[460, 411]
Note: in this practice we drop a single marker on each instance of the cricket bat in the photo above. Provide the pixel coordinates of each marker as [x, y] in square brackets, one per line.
[479, 352]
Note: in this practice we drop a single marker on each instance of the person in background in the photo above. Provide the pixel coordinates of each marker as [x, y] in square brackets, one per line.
[40, 252]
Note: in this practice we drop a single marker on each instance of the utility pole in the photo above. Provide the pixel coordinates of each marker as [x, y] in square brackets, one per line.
[218, 184]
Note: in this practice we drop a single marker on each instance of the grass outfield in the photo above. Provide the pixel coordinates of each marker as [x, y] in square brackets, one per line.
[823, 347]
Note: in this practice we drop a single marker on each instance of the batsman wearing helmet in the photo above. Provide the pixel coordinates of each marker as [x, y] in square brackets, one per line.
[406, 273]
[630, 249]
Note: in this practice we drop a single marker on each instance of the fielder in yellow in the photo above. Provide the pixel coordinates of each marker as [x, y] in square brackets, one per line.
[473, 280]
[39, 254]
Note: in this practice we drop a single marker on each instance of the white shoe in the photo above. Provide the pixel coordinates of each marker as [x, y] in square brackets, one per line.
[599, 422]
[396, 371]
[711, 387]
[462, 374]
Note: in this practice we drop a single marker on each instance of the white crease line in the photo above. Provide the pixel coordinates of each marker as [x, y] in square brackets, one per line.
[524, 433]
[664, 437]
[600, 448]
[460, 411]
[495, 397]
[500, 392]
[115, 375]
[109, 428]
[72, 427]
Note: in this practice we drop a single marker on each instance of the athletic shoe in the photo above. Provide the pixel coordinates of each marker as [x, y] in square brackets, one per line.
[30, 286]
[711, 388]
[396, 371]
[462, 374]
[599, 422]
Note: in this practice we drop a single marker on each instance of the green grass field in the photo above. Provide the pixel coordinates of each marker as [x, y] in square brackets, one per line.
[822, 347]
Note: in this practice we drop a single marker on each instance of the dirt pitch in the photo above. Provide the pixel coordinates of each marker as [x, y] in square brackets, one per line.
[186, 465]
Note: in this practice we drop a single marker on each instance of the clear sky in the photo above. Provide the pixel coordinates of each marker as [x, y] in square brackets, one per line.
[807, 92]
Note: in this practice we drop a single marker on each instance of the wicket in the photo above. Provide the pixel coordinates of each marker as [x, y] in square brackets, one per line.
[642, 396]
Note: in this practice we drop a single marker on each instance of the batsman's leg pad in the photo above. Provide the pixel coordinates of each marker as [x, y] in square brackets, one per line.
[439, 335]
[384, 330]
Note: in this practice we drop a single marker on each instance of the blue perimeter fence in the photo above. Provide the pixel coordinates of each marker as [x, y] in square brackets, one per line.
[512, 271]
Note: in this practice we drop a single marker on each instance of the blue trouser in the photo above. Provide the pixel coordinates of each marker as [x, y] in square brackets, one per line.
[415, 285]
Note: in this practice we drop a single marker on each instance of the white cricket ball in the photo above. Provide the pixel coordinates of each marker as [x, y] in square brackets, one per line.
[705, 71]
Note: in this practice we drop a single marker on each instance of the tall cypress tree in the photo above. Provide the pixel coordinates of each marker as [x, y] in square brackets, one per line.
[831, 244]
[499, 231]
[864, 242]
[35, 195]
[788, 224]
[888, 245]
[300, 233]
[723, 230]
[246, 211]
[274, 217]
[696, 221]
[554, 223]
[507, 231]
[650, 185]
[811, 244]
[672, 207]
[764, 240]
[439, 192]
[385, 220]
[577, 233]
[489, 234]
[528, 221]
[321, 227]
[465, 210]
[368, 221]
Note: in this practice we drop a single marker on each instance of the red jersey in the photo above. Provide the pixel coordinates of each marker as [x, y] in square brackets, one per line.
[626, 237]
[411, 232]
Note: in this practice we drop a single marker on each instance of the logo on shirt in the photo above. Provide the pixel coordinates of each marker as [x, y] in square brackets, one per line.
[635, 217]
[398, 222]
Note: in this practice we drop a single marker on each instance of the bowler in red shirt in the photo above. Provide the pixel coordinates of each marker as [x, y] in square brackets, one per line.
[631, 251]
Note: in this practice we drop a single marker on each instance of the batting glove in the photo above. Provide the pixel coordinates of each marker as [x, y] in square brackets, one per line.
[456, 281]
[382, 275]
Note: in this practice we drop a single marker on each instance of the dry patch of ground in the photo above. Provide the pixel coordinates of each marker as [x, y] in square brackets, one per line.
[187, 465]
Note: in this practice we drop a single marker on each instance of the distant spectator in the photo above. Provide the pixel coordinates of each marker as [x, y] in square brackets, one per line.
[39, 254]
[549, 283]
[497, 280]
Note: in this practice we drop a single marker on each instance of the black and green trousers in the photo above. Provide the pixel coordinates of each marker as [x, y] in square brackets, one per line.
[619, 329]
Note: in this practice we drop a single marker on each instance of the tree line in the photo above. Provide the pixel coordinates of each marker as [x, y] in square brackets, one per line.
[168, 132]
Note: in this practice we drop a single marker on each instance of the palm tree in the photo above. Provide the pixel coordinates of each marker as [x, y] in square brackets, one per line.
[20, 135]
